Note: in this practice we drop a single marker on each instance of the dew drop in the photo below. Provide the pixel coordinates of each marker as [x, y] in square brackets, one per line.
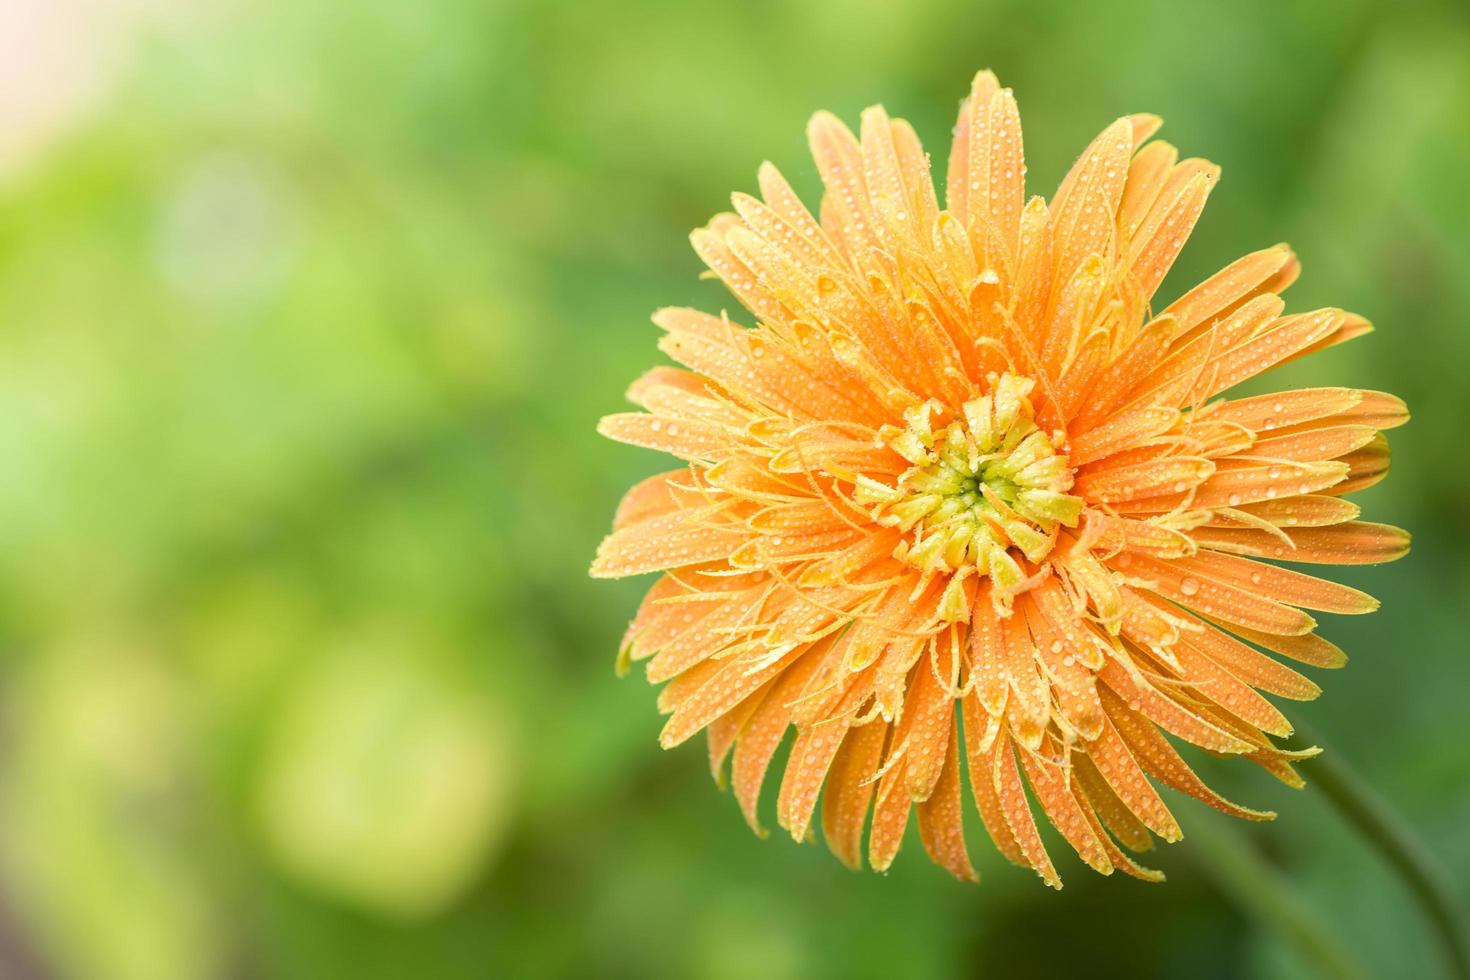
[1235, 500]
[1189, 586]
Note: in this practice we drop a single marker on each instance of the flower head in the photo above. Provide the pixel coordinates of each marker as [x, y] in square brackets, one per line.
[966, 492]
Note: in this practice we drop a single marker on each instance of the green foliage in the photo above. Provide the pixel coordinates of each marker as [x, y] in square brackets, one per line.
[304, 332]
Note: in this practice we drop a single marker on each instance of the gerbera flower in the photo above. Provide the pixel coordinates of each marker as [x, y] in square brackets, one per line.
[967, 493]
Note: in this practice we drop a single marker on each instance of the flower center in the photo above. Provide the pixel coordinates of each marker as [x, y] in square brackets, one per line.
[982, 483]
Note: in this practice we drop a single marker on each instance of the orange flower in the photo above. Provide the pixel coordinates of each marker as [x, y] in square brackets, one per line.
[964, 491]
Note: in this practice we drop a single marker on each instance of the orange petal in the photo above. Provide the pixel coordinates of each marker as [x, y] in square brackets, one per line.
[1030, 709]
[686, 685]
[957, 172]
[768, 549]
[1304, 510]
[1310, 649]
[709, 635]
[653, 497]
[792, 227]
[1231, 287]
[850, 790]
[1006, 780]
[1176, 581]
[1238, 481]
[930, 711]
[677, 401]
[761, 734]
[1206, 678]
[1122, 432]
[1117, 765]
[982, 784]
[711, 246]
[1281, 584]
[846, 212]
[731, 684]
[1160, 238]
[1168, 714]
[1063, 649]
[1159, 759]
[1114, 814]
[812, 755]
[656, 628]
[722, 732]
[988, 658]
[1118, 484]
[1328, 442]
[1253, 668]
[1185, 374]
[1084, 209]
[801, 518]
[1147, 175]
[1350, 327]
[1122, 376]
[1282, 341]
[1141, 537]
[736, 358]
[667, 434]
[913, 208]
[986, 172]
[1115, 854]
[1352, 543]
[1365, 466]
[890, 820]
[1050, 784]
[1281, 409]
[941, 818]
[672, 541]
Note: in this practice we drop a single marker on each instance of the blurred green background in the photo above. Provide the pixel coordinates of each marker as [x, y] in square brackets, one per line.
[307, 312]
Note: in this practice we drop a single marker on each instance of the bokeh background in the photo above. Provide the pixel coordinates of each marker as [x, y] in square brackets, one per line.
[307, 313]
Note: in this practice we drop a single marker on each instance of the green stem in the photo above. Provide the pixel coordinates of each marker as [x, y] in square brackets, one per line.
[1260, 891]
[1399, 848]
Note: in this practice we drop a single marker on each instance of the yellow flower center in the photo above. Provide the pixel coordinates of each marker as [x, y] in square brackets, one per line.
[982, 483]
